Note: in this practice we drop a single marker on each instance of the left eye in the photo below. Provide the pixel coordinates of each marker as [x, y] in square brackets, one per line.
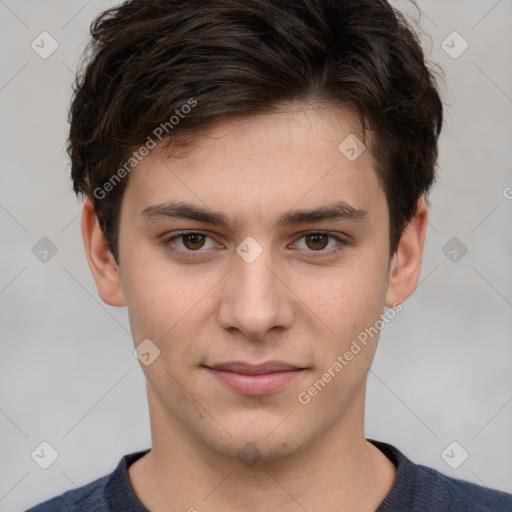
[318, 241]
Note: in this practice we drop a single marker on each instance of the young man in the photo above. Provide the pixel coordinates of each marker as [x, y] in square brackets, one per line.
[256, 175]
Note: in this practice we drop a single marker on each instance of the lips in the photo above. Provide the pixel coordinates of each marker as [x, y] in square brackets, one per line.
[255, 369]
[255, 379]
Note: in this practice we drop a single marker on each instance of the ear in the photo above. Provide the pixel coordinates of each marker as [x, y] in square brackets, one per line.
[103, 267]
[406, 262]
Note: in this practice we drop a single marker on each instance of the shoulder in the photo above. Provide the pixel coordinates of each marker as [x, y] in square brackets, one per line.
[87, 497]
[419, 488]
[110, 492]
[458, 495]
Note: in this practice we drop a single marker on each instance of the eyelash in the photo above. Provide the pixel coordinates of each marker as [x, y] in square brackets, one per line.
[168, 242]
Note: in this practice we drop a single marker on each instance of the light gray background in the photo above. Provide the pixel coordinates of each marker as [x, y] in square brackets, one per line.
[443, 371]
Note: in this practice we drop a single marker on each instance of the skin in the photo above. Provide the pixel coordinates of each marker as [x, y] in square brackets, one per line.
[211, 306]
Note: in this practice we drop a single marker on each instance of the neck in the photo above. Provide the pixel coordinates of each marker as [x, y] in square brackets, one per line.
[339, 470]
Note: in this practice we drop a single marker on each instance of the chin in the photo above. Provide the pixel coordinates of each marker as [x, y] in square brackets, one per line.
[252, 453]
[257, 447]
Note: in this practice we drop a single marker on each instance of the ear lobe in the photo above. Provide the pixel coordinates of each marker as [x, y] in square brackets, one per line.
[406, 262]
[101, 262]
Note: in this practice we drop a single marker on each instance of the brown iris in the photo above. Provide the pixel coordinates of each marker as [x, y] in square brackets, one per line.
[196, 241]
[314, 240]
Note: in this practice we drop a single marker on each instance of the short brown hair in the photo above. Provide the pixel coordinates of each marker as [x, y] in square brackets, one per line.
[149, 58]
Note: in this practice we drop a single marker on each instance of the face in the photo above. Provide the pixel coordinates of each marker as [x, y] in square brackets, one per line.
[253, 261]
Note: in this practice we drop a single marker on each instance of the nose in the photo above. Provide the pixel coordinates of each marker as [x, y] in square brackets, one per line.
[255, 298]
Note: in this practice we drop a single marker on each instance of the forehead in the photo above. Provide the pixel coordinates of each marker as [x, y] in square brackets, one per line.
[261, 164]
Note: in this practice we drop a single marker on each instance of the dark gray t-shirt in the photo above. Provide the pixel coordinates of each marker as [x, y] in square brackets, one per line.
[416, 489]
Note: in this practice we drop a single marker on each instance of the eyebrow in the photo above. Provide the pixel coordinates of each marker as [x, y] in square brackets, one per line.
[338, 210]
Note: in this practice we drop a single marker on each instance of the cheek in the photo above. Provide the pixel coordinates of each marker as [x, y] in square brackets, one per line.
[169, 307]
[349, 306]
[347, 300]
